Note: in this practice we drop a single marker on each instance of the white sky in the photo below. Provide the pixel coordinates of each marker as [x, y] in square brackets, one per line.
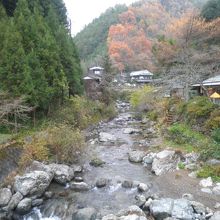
[82, 12]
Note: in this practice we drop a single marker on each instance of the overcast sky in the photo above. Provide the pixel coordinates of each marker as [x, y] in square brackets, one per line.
[82, 12]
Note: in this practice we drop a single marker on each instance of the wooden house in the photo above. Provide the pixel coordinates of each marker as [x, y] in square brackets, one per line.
[92, 82]
[208, 87]
[142, 76]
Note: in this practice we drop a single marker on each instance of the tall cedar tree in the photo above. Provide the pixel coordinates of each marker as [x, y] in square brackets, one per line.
[38, 56]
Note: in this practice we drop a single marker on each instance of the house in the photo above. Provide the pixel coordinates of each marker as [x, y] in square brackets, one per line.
[142, 76]
[96, 70]
[209, 87]
[92, 82]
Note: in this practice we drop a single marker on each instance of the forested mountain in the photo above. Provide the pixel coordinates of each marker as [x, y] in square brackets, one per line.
[92, 40]
[38, 57]
[132, 33]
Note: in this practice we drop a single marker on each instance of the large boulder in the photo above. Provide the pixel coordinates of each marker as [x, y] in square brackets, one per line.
[85, 214]
[164, 162]
[5, 196]
[216, 216]
[33, 184]
[16, 198]
[62, 173]
[206, 182]
[182, 209]
[136, 156]
[24, 206]
[106, 137]
[162, 208]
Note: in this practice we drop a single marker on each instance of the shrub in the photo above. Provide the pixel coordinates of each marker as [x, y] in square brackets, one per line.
[183, 134]
[61, 143]
[214, 120]
[152, 115]
[81, 112]
[34, 149]
[142, 99]
[210, 171]
[65, 143]
[199, 106]
[216, 135]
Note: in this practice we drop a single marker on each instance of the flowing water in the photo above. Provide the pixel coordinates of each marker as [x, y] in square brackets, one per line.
[117, 168]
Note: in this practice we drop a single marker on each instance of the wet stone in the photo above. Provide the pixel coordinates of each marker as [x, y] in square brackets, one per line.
[127, 184]
[101, 183]
[96, 162]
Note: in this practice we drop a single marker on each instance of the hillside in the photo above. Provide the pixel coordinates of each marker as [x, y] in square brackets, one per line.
[92, 40]
[149, 21]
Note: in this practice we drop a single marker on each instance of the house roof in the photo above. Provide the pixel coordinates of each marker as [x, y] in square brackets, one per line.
[141, 73]
[214, 81]
[96, 68]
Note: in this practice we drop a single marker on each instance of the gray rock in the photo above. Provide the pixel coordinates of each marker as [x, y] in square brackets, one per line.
[164, 162]
[62, 173]
[142, 187]
[188, 196]
[165, 154]
[77, 169]
[130, 131]
[127, 184]
[216, 216]
[182, 209]
[132, 210]
[34, 183]
[217, 205]
[110, 217]
[216, 190]
[206, 182]
[24, 206]
[106, 137]
[198, 207]
[132, 217]
[85, 214]
[191, 166]
[147, 204]
[206, 190]
[162, 208]
[191, 158]
[78, 179]
[140, 200]
[48, 194]
[213, 162]
[79, 186]
[148, 160]
[5, 196]
[136, 156]
[37, 202]
[96, 162]
[101, 183]
[16, 198]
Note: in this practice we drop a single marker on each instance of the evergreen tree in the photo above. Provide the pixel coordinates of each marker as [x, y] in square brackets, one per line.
[211, 10]
[14, 70]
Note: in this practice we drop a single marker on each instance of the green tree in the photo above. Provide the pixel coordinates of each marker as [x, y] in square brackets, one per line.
[211, 10]
[14, 70]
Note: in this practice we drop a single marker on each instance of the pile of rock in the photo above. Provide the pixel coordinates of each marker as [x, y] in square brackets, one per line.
[29, 190]
[209, 187]
[165, 209]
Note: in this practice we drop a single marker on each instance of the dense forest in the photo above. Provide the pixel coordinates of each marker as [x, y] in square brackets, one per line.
[39, 60]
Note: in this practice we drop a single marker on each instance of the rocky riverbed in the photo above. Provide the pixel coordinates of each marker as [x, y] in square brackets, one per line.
[122, 176]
